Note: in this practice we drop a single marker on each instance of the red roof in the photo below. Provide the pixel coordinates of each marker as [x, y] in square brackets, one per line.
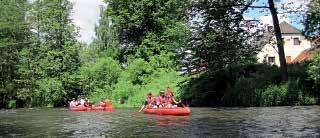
[307, 54]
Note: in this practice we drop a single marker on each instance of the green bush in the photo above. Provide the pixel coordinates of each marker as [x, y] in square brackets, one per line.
[236, 85]
[251, 85]
[290, 93]
[274, 95]
[130, 84]
[98, 80]
[11, 104]
[126, 93]
[244, 93]
[160, 80]
[51, 92]
[314, 69]
[99, 94]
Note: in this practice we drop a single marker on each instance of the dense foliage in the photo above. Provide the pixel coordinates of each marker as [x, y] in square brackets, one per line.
[252, 85]
[14, 36]
[218, 39]
[314, 71]
[143, 45]
[312, 23]
[144, 39]
[43, 65]
[143, 28]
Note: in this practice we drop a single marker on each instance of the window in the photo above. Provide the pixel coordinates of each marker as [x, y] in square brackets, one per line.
[288, 59]
[296, 41]
[271, 60]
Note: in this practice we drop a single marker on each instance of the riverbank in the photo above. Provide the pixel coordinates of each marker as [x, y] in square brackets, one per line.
[252, 85]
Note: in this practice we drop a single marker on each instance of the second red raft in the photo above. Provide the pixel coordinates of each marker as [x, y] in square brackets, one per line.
[95, 108]
[179, 111]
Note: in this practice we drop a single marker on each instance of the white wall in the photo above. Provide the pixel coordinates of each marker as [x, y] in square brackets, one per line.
[271, 50]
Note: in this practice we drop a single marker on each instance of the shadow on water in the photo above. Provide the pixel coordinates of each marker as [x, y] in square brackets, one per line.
[203, 122]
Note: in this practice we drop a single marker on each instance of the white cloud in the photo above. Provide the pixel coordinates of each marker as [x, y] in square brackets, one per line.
[85, 15]
[294, 5]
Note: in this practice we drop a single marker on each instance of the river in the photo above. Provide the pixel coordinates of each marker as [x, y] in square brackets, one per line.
[298, 121]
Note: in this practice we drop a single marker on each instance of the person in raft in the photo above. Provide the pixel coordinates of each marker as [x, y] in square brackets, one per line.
[102, 103]
[170, 102]
[80, 101]
[149, 102]
[107, 102]
[86, 102]
[161, 100]
[73, 103]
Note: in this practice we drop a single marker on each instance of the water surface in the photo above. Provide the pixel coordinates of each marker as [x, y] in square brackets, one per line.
[203, 122]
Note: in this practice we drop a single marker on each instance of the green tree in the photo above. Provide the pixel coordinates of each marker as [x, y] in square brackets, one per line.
[314, 69]
[312, 23]
[99, 78]
[143, 28]
[218, 39]
[14, 36]
[54, 55]
[221, 21]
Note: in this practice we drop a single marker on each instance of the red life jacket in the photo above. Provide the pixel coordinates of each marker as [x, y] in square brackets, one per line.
[161, 100]
[149, 100]
[107, 102]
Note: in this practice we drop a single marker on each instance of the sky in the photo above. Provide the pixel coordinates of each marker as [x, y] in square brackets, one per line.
[282, 6]
[85, 16]
[86, 13]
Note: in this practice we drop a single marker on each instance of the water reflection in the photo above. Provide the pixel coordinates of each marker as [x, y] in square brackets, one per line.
[203, 122]
[169, 120]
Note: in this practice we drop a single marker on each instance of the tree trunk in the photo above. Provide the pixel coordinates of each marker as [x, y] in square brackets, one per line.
[283, 64]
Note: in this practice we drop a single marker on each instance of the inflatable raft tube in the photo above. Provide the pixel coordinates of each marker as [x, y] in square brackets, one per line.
[79, 108]
[94, 108]
[179, 111]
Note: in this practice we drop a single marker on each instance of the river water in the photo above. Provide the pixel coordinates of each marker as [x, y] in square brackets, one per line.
[300, 121]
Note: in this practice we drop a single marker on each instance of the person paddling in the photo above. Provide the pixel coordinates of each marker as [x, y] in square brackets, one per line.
[86, 102]
[73, 103]
[170, 101]
[148, 103]
[102, 103]
[81, 102]
[107, 102]
[161, 99]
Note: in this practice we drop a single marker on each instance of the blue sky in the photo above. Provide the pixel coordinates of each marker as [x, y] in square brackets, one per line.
[295, 19]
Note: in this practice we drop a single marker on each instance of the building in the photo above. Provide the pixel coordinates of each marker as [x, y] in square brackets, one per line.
[310, 53]
[294, 44]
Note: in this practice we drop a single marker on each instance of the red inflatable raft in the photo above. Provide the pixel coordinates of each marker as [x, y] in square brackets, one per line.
[179, 111]
[79, 108]
[95, 108]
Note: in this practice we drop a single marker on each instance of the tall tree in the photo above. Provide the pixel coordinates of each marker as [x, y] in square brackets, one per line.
[54, 55]
[222, 17]
[218, 39]
[143, 28]
[277, 31]
[14, 35]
